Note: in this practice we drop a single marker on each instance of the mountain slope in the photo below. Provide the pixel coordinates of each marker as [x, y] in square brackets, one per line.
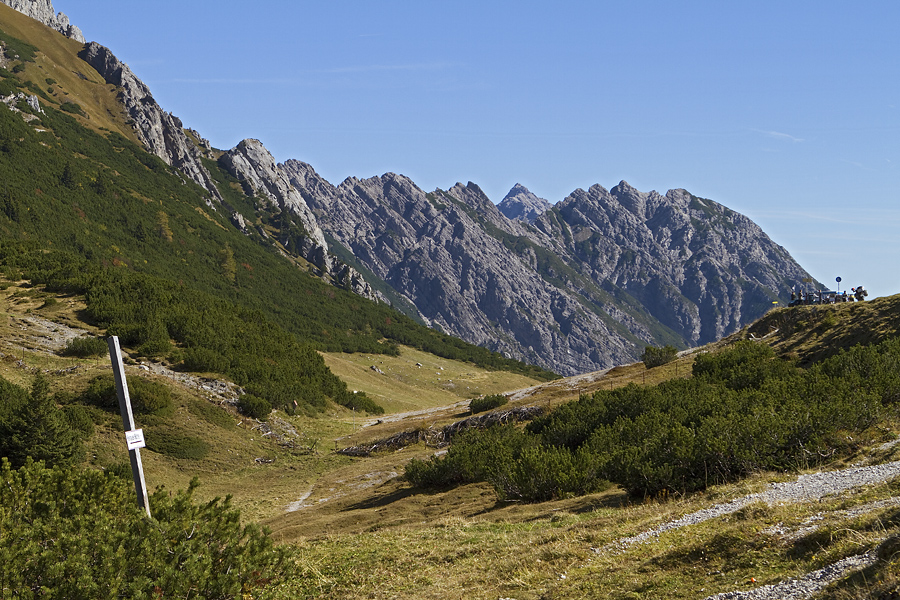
[165, 265]
[580, 286]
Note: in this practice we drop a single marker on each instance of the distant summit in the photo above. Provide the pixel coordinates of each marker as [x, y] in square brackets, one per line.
[521, 205]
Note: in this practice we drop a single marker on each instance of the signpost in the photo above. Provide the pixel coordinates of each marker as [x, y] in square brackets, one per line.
[133, 437]
[838, 279]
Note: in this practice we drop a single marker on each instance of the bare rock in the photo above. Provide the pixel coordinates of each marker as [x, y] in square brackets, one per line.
[42, 10]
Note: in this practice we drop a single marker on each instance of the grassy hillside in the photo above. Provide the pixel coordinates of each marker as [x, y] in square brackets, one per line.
[395, 540]
[354, 529]
[72, 79]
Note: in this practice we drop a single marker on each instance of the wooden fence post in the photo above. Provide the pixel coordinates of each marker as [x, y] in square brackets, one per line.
[133, 437]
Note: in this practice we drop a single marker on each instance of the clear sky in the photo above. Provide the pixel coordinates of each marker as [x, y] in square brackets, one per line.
[787, 111]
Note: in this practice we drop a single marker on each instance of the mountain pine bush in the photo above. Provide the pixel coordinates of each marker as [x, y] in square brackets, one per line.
[743, 411]
[187, 550]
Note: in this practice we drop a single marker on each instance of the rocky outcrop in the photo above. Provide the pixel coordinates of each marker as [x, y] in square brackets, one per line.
[160, 132]
[585, 285]
[255, 167]
[274, 192]
[32, 102]
[521, 205]
[42, 10]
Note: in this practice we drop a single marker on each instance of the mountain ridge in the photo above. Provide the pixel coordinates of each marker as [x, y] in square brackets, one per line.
[574, 287]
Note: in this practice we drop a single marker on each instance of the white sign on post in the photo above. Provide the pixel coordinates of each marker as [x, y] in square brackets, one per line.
[135, 439]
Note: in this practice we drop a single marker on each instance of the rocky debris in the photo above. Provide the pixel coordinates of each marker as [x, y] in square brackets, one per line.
[521, 205]
[42, 10]
[441, 437]
[284, 434]
[218, 391]
[33, 103]
[160, 132]
[802, 587]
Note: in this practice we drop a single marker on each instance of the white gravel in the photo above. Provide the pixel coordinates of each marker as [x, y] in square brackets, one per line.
[802, 587]
[806, 488]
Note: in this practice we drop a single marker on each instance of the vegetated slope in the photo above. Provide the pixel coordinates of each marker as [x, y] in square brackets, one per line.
[523, 550]
[90, 211]
[814, 332]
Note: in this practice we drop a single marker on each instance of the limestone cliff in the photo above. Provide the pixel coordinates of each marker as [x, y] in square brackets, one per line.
[577, 287]
[42, 10]
[268, 184]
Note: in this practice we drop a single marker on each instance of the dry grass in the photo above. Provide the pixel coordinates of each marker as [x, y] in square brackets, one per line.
[75, 79]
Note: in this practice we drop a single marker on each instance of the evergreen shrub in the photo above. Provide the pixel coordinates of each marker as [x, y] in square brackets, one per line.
[489, 402]
[176, 444]
[80, 534]
[85, 347]
[743, 411]
[656, 357]
[254, 406]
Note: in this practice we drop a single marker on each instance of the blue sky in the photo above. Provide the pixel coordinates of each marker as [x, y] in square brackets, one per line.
[788, 112]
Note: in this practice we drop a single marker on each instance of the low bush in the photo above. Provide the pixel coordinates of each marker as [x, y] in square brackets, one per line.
[147, 396]
[86, 347]
[80, 534]
[254, 406]
[489, 402]
[204, 360]
[744, 411]
[72, 107]
[359, 401]
[176, 445]
[656, 357]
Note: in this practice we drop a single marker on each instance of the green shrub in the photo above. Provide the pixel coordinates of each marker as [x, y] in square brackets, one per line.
[204, 360]
[744, 411]
[656, 357]
[489, 402]
[254, 406]
[86, 347]
[147, 396]
[79, 534]
[80, 419]
[72, 107]
[359, 401]
[32, 426]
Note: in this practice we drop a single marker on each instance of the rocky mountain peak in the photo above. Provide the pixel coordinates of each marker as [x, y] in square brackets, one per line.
[262, 177]
[42, 10]
[631, 199]
[521, 205]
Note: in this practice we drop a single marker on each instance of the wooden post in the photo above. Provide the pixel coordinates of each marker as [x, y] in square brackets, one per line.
[134, 438]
